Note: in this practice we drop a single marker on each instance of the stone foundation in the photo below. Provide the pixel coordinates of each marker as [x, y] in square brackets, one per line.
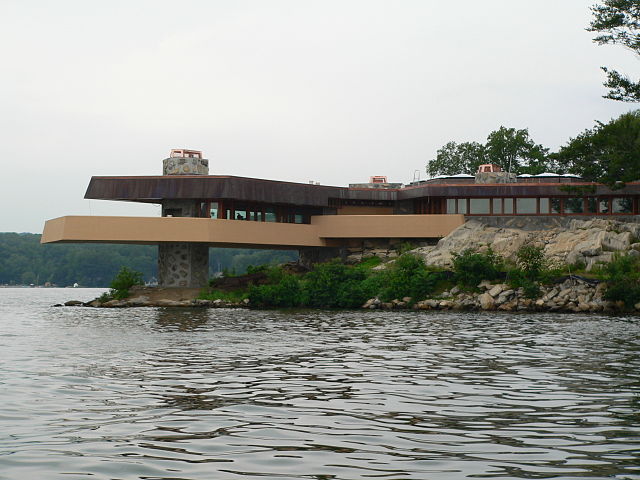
[183, 265]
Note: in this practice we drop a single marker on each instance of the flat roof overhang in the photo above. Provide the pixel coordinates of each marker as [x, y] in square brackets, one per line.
[154, 189]
[323, 231]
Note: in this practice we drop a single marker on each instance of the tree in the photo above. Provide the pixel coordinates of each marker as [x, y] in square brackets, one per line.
[514, 151]
[618, 21]
[456, 158]
[608, 153]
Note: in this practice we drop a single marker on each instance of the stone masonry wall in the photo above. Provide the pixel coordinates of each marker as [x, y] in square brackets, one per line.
[185, 166]
[183, 264]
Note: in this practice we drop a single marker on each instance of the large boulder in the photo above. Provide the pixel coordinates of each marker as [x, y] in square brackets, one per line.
[587, 242]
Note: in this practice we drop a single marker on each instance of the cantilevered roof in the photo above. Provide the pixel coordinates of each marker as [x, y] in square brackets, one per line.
[153, 189]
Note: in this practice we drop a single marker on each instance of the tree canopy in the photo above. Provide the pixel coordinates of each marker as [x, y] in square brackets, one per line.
[608, 153]
[618, 22]
[455, 158]
[510, 148]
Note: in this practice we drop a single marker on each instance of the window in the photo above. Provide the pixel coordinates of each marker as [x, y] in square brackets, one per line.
[497, 205]
[573, 205]
[544, 206]
[213, 210]
[556, 205]
[592, 205]
[451, 205]
[603, 204]
[526, 206]
[479, 206]
[270, 214]
[508, 206]
[462, 205]
[621, 205]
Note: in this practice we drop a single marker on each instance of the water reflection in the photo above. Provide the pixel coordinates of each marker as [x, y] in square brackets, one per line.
[239, 394]
[180, 319]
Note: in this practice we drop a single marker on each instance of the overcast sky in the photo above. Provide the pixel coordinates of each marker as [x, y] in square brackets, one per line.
[331, 91]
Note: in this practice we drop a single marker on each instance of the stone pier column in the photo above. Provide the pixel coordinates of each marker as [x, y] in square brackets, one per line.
[183, 264]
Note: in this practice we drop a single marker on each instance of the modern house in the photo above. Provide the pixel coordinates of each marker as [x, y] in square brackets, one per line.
[201, 210]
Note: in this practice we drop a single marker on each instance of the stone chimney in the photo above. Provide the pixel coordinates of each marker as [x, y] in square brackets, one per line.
[185, 162]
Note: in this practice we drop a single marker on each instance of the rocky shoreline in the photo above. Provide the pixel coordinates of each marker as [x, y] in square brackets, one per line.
[573, 295]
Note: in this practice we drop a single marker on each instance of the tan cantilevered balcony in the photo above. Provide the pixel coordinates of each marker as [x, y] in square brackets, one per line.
[323, 231]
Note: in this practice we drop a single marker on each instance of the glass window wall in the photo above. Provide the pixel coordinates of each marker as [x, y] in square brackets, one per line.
[526, 206]
[544, 206]
[508, 206]
[213, 210]
[479, 206]
[573, 205]
[497, 206]
[621, 205]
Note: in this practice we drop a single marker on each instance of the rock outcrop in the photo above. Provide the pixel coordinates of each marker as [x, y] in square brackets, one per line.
[585, 242]
[572, 295]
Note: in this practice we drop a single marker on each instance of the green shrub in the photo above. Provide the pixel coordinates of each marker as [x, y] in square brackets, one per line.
[336, 285]
[283, 290]
[405, 247]
[257, 269]
[408, 277]
[235, 296]
[530, 259]
[471, 267]
[123, 281]
[622, 276]
[369, 262]
[518, 278]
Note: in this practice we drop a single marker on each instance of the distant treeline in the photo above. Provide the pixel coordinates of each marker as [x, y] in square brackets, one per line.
[24, 261]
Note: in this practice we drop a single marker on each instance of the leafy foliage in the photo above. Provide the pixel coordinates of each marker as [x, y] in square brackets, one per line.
[335, 285]
[455, 158]
[516, 152]
[229, 296]
[471, 267]
[622, 277]
[531, 261]
[408, 277]
[283, 290]
[608, 153]
[618, 22]
[510, 148]
[517, 278]
[123, 281]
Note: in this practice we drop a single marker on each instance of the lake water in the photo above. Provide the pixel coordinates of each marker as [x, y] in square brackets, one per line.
[233, 394]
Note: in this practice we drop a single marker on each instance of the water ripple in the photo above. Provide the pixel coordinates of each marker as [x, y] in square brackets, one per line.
[228, 394]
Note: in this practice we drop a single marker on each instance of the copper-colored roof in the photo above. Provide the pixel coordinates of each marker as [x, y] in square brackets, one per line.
[154, 189]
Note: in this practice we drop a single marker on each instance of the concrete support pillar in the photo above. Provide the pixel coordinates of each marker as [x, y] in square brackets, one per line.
[183, 264]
